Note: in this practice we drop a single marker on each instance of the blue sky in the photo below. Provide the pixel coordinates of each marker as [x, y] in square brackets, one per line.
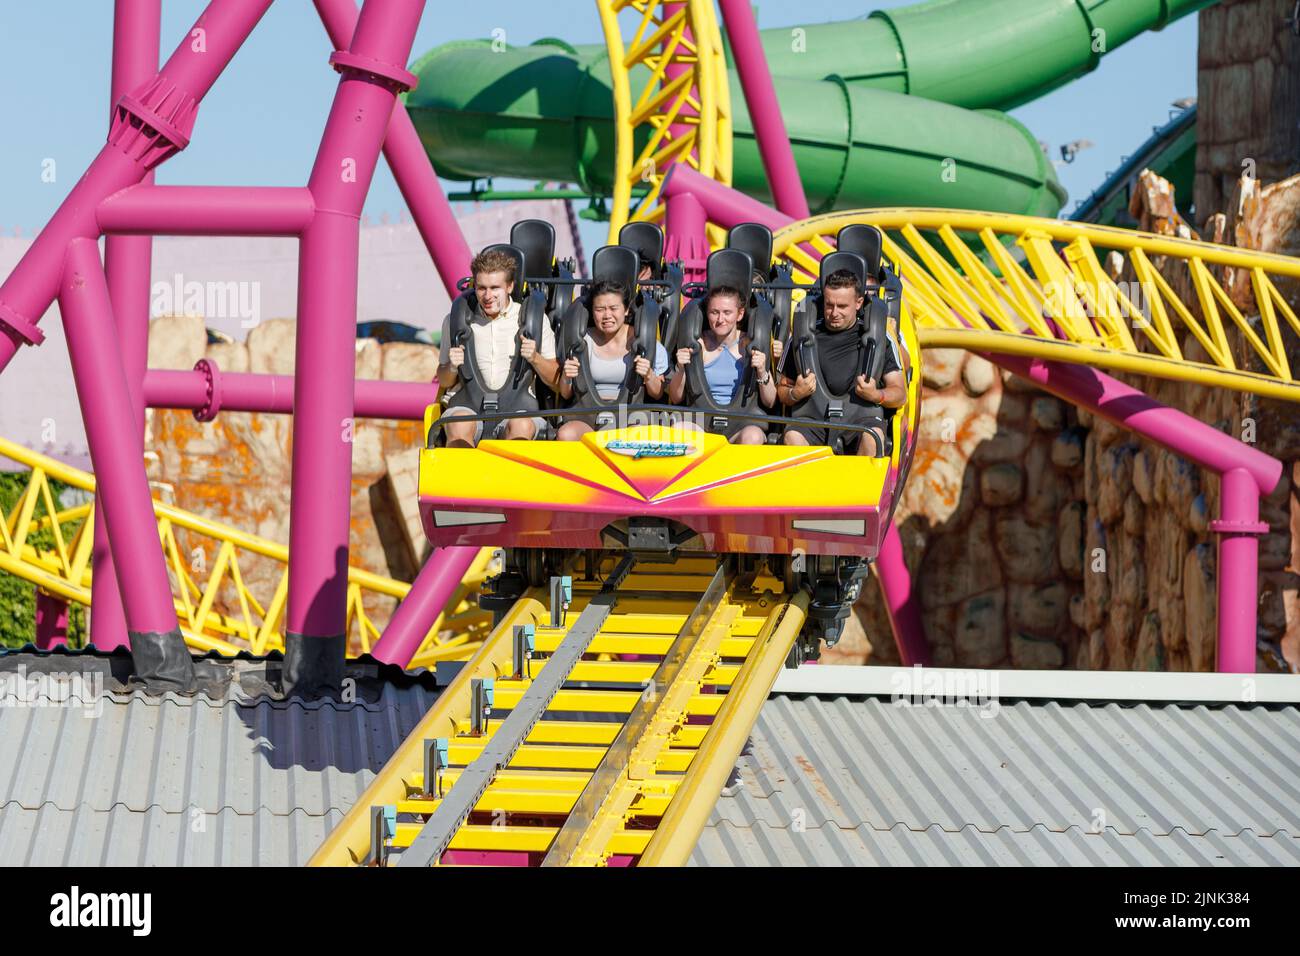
[262, 121]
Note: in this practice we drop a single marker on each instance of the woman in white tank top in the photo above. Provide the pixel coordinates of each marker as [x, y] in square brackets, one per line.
[609, 347]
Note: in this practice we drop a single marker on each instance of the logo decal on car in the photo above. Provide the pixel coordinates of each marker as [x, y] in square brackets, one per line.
[648, 449]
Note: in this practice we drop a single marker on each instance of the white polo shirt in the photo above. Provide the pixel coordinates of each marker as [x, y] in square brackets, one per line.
[494, 345]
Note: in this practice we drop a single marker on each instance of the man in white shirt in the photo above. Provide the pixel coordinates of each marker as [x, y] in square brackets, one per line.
[495, 327]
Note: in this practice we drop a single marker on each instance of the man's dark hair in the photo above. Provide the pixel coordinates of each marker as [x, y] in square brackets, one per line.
[724, 290]
[493, 260]
[843, 279]
[608, 286]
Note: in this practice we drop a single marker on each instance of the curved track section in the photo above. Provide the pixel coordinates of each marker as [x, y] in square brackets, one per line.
[1092, 295]
[682, 114]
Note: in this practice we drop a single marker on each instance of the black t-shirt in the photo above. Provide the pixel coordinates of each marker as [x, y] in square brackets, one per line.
[840, 354]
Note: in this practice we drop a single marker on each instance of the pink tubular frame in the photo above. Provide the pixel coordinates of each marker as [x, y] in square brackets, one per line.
[153, 115]
[764, 109]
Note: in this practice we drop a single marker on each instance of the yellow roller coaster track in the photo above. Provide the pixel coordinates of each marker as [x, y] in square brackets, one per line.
[563, 756]
[683, 111]
[1094, 295]
[63, 570]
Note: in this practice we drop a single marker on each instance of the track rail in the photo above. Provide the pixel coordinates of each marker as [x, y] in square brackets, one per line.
[1112, 298]
[634, 705]
[682, 112]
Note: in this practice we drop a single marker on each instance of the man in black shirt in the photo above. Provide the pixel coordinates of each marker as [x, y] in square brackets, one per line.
[839, 349]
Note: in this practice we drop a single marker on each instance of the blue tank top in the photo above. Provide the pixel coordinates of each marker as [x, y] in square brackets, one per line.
[723, 375]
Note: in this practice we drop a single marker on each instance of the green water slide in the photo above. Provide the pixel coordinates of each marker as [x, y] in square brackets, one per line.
[898, 108]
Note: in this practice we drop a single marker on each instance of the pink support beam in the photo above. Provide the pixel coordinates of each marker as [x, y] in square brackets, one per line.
[411, 167]
[117, 446]
[764, 109]
[722, 205]
[1247, 474]
[51, 621]
[127, 262]
[209, 391]
[684, 220]
[679, 129]
[687, 240]
[419, 186]
[429, 594]
[372, 74]
[1138, 412]
[902, 600]
[150, 124]
[146, 210]
[1239, 529]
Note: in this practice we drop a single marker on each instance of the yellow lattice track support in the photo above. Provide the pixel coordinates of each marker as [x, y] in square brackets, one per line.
[619, 763]
[1074, 292]
[200, 582]
[680, 45]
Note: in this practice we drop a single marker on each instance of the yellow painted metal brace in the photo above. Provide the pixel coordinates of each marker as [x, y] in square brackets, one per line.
[1117, 299]
[64, 571]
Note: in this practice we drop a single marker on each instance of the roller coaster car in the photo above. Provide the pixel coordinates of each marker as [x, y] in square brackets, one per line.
[647, 240]
[647, 488]
[617, 264]
[817, 518]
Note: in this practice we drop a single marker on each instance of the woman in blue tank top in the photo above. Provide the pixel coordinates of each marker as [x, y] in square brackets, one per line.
[723, 353]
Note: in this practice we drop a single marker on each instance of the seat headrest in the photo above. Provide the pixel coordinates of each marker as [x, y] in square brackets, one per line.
[850, 261]
[517, 254]
[866, 241]
[647, 239]
[616, 264]
[536, 238]
[755, 239]
[731, 267]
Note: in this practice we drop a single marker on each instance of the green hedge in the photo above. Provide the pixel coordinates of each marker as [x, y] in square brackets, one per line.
[18, 597]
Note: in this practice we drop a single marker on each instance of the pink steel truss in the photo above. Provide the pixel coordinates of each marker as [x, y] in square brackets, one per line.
[105, 314]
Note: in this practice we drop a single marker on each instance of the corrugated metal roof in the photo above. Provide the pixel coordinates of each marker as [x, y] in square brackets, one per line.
[246, 780]
[189, 780]
[723, 844]
[120, 837]
[865, 781]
